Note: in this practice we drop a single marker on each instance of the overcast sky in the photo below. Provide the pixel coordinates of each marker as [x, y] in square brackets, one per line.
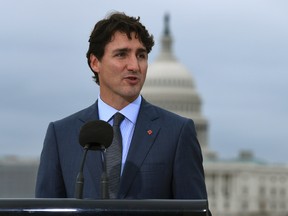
[237, 52]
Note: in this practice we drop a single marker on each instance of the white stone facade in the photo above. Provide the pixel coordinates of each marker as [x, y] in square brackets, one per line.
[17, 177]
[246, 187]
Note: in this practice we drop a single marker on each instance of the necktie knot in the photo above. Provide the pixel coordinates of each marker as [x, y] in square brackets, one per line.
[117, 119]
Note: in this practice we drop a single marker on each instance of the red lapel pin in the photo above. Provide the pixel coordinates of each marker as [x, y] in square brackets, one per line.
[149, 132]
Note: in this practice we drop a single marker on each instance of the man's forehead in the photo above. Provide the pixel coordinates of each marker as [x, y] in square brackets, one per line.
[124, 42]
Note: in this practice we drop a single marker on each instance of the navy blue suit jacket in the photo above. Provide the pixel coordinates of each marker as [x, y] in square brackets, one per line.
[164, 164]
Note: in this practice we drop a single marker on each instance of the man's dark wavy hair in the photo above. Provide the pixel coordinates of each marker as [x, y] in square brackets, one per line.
[104, 30]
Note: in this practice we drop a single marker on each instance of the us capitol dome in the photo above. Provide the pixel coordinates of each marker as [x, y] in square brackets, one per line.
[171, 86]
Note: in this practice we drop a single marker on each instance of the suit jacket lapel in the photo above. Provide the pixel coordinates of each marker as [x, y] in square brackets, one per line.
[145, 132]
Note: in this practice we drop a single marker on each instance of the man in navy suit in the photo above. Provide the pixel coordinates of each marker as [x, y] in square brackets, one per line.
[161, 156]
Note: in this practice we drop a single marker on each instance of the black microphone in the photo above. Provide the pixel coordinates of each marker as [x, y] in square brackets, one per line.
[94, 135]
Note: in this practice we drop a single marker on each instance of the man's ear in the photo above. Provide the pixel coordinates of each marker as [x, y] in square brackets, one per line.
[94, 63]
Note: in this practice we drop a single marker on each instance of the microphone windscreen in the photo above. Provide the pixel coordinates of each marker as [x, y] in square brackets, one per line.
[96, 134]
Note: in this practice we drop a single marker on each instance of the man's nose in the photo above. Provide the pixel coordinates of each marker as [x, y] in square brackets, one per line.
[133, 64]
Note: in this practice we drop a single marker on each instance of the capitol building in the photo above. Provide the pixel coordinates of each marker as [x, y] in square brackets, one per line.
[243, 186]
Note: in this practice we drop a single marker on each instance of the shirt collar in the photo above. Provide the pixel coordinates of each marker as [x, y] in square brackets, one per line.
[130, 111]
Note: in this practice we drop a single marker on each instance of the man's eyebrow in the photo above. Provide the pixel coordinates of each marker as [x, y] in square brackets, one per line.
[121, 50]
[127, 50]
[141, 50]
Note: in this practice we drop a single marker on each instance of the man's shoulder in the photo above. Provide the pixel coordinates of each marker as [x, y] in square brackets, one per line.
[164, 113]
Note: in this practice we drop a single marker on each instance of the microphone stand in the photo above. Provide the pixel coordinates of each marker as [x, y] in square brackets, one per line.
[80, 177]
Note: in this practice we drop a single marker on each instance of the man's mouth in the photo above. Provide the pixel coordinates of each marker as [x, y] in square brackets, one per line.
[132, 79]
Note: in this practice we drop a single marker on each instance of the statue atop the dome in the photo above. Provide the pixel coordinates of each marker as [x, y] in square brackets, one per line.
[166, 25]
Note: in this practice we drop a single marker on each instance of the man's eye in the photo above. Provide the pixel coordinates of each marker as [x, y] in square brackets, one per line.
[120, 54]
[142, 55]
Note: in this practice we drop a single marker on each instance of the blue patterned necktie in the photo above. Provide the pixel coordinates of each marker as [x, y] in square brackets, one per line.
[114, 157]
